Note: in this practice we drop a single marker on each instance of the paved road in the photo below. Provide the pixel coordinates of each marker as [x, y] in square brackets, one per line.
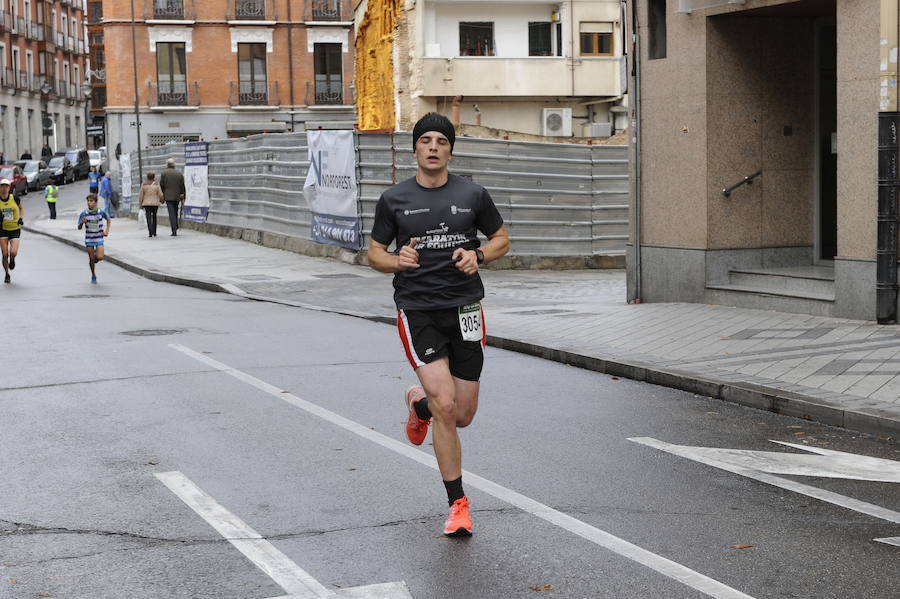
[115, 396]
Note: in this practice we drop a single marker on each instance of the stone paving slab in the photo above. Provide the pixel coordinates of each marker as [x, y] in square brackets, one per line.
[837, 371]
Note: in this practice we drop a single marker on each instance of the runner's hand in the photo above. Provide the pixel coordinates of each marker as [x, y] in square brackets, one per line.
[408, 257]
[466, 261]
[21, 222]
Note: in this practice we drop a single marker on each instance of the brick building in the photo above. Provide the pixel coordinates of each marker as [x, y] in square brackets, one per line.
[42, 64]
[225, 68]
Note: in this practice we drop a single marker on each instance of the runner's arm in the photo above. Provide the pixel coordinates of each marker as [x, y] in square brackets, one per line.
[382, 260]
[496, 247]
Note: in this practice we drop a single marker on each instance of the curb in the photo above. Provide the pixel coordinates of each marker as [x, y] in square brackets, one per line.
[787, 403]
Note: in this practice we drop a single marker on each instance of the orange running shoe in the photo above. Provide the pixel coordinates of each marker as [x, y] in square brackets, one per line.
[416, 428]
[458, 523]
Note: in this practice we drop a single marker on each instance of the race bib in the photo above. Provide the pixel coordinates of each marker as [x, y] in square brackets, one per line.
[7, 214]
[470, 324]
[93, 226]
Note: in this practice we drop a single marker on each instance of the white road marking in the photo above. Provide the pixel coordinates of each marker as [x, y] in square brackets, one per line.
[280, 568]
[890, 541]
[752, 463]
[667, 567]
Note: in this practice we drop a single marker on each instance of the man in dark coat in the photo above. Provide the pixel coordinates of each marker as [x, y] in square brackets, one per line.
[172, 184]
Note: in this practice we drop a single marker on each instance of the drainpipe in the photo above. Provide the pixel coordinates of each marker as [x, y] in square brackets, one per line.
[635, 97]
[454, 111]
[290, 44]
[572, 44]
[888, 168]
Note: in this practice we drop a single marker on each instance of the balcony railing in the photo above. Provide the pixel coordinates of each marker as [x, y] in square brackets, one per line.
[5, 21]
[20, 26]
[251, 10]
[325, 10]
[328, 93]
[6, 78]
[24, 81]
[172, 10]
[173, 93]
[35, 31]
[253, 93]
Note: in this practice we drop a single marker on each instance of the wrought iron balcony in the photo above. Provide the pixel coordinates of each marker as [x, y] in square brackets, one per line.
[24, 81]
[327, 93]
[35, 31]
[251, 10]
[172, 10]
[6, 78]
[326, 10]
[174, 93]
[5, 21]
[253, 93]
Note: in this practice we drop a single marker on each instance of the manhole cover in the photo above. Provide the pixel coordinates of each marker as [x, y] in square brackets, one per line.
[338, 276]
[151, 332]
[85, 296]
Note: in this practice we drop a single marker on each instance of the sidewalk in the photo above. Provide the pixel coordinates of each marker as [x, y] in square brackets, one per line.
[836, 371]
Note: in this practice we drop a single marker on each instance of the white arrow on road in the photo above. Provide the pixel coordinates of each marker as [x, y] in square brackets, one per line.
[288, 575]
[760, 465]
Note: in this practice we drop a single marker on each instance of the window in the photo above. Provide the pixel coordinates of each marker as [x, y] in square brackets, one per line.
[171, 70]
[329, 86]
[252, 74]
[476, 39]
[539, 43]
[657, 28]
[96, 12]
[596, 39]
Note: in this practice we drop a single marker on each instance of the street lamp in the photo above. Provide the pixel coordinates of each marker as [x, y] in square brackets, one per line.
[46, 123]
[86, 89]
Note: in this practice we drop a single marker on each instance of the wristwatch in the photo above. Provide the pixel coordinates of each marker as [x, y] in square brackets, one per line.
[479, 255]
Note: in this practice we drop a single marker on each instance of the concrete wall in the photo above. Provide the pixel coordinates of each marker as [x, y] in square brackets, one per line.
[858, 83]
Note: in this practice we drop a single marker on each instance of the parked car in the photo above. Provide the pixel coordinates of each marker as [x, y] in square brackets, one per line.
[36, 172]
[19, 182]
[81, 161]
[98, 159]
[61, 170]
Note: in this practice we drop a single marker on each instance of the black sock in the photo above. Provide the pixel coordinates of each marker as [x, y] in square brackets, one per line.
[454, 490]
[422, 410]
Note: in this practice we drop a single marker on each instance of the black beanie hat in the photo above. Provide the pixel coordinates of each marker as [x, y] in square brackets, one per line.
[434, 122]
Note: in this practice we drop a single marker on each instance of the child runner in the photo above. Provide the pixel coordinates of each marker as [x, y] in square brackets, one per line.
[94, 232]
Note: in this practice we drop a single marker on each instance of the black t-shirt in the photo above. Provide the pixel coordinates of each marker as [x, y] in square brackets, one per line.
[442, 219]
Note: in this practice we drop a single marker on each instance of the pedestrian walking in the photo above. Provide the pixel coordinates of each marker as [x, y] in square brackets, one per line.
[106, 194]
[171, 181]
[11, 229]
[150, 198]
[92, 219]
[94, 180]
[26, 155]
[434, 219]
[51, 193]
[46, 153]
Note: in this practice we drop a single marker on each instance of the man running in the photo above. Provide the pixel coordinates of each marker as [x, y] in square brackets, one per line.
[434, 218]
[11, 209]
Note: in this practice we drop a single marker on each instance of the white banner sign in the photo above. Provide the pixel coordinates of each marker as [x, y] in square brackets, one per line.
[196, 181]
[331, 190]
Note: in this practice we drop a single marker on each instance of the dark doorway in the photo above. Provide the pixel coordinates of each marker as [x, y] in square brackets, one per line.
[826, 77]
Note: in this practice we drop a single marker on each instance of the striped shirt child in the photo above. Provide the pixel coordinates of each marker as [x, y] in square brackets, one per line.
[93, 226]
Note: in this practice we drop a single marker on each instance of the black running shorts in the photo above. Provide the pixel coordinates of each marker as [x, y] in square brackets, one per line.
[15, 234]
[428, 335]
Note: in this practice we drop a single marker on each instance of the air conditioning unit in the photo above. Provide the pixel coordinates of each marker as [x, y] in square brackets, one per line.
[597, 129]
[557, 122]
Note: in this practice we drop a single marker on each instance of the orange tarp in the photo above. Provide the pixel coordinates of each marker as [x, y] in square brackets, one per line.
[374, 67]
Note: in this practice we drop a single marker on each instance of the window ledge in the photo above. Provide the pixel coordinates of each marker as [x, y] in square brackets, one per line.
[331, 106]
[328, 23]
[250, 108]
[253, 23]
[152, 22]
[174, 108]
